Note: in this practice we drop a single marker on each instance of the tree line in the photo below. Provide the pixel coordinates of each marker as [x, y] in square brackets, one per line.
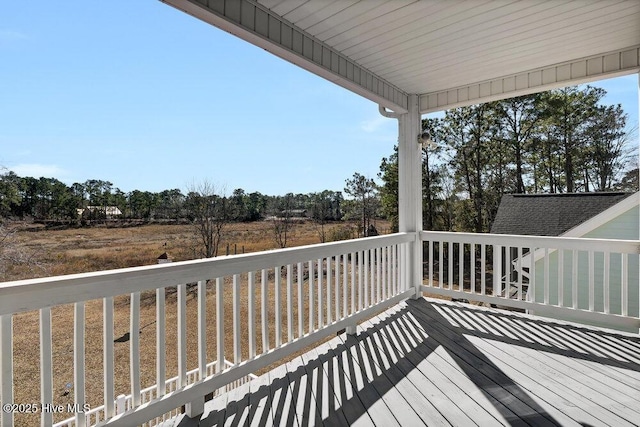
[563, 140]
[48, 199]
[558, 141]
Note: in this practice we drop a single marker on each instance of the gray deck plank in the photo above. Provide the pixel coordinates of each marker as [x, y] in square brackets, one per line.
[566, 386]
[378, 409]
[378, 383]
[424, 397]
[328, 412]
[346, 392]
[432, 362]
[594, 388]
[483, 373]
[281, 409]
[303, 399]
[259, 401]
[438, 389]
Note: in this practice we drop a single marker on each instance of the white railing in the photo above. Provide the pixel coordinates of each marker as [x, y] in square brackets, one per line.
[589, 280]
[124, 403]
[254, 308]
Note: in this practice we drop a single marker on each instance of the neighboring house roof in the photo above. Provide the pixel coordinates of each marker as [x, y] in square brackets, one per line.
[550, 214]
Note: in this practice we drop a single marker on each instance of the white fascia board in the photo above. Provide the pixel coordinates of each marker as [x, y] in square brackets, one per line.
[585, 70]
[591, 224]
[267, 30]
[605, 216]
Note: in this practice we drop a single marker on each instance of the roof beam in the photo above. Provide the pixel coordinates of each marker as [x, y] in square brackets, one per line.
[261, 27]
[612, 64]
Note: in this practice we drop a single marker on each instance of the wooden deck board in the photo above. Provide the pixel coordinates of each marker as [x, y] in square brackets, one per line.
[430, 362]
[439, 390]
[581, 382]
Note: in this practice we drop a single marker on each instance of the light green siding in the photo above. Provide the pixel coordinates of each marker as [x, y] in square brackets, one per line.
[625, 227]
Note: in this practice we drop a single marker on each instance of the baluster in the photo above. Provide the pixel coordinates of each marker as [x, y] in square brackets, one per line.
[336, 282]
[134, 350]
[373, 255]
[345, 284]
[532, 273]
[289, 302]
[320, 299]
[483, 269]
[300, 303]
[263, 305]
[625, 283]
[394, 266]
[202, 329]
[360, 280]
[497, 269]
[220, 324]
[237, 348]
[520, 269]
[182, 336]
[378, 275]
[430, 243]
[574, 279]
[46, 365]
[366, 277]
[461, 267]
[329, 298]
[251, 318]
[353, 282]
[311, 297]
[592, 281]
[385, 272]
[472, 267]
[450, 266]
[277, 306]
[561, 277]
[109, 388]
[440, 264]
[6, 366]
[605, 284]
[161, 325]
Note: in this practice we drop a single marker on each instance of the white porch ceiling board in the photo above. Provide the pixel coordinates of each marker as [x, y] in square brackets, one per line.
[415, 37]
[474, 38]
[459, 73]
[356, 14]
[467, 52]
[409, 19]
[527, 54]
[446, 51]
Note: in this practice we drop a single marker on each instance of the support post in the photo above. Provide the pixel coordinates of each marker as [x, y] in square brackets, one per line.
[410, 189]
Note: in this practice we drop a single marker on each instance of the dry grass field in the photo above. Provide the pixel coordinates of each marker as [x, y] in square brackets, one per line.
[69, 251]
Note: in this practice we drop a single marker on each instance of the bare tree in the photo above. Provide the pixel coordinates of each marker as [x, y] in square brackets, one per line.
[282, 221]
[209, 211]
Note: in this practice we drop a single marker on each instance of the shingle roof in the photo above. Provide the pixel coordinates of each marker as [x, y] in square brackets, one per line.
[549, 214]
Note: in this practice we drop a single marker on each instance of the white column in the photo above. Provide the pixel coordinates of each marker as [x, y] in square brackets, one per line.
[410, 188]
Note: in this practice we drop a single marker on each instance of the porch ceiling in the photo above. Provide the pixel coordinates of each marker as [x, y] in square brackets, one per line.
[450, 52]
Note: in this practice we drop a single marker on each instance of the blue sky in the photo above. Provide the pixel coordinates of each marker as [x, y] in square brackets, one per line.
[149, 98]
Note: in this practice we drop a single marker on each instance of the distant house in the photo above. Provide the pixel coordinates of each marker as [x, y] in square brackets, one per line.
[108, 212]
[294, 213]
[587, 215]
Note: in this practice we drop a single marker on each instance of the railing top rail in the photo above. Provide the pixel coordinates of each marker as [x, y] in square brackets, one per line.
[33, 294]
[611, 245]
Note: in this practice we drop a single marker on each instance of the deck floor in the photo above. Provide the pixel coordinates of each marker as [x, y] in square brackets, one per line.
[430, 362]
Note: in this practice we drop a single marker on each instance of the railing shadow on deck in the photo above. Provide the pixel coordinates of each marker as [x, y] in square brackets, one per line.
[421, 327]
